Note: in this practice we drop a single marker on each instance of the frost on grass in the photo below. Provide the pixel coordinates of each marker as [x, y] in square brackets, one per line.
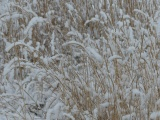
[33, 22]
[75, 33]
[69, 6]
[106, 104]
[52, 43]
[114, 57]
[95, 19]
[79, 59]
[94, 54]
[129, 117]
[131, 49]
[73, 43]
[20, 42]
[155, 115]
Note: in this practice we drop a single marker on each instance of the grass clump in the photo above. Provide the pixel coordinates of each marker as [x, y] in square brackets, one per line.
[79, 60]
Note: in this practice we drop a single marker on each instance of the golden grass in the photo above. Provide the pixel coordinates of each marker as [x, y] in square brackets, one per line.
[83, 83]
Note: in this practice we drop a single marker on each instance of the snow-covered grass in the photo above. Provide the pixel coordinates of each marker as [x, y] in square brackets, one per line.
[79, 60]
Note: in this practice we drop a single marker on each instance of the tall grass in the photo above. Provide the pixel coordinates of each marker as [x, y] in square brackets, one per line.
[80, 60]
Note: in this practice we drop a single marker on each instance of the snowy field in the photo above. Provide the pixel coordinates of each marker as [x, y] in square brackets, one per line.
[79, 59]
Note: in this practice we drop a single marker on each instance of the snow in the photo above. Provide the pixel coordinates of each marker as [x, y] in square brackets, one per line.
[73, 42]
[94, 54]
[120, 24]
[129, 116]
[69, 116]
[20, 42]
[158, 102]
[34, 2]
[79, 59]
[103, 15]
[52, 43]
[69, 6]
[126, 16]
[9, 66]
[107, 95]
[55, 111]
[136, 92]
[158, 28]
[92, 20]
[140, 11]
[7, 17]
[154, 115]
[75, 33]
[131, 49]
[33, 22]
[114, 57]
[28, 9]
[106, 104]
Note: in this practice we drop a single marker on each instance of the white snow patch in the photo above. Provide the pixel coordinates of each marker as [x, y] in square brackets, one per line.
[52, 43]
[92, 20]
[20, 42]
[106, 104]
[70, 7]
[154, 115]
[129, 116]
[131, 49]
[93, 53]
[114, 57]
[34, 21]
[103, 15]
[73, 42]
